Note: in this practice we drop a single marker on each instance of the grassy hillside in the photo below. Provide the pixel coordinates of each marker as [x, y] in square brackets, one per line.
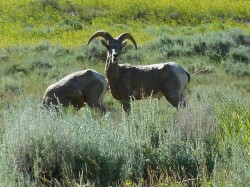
[205, 144]
[70, 22]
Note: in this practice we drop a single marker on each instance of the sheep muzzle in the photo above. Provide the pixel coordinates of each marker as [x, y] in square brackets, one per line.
[114, 56]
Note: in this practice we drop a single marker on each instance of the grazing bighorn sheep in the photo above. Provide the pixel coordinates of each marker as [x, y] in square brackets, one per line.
[127, 81]
[77, 89]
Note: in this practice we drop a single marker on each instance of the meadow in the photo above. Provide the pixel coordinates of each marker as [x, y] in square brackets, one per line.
[204, 144]
[70, 23]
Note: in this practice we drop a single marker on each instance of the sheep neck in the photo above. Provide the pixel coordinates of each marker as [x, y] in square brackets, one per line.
[111, 68]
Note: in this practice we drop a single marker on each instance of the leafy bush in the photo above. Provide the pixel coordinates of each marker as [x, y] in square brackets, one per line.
[200, 67]
[60, 51]
[42, 47]
[41, 64]
[218, 49]
[199, 47]
[95, 52]
[133, 56]
[160, 42]
[4, 57]
[240, 55]
[238, 62]
[218, 46]
[49, 147]
[51, 3]
[70, 24]
[237, 69]
[15, 69]
[241, 38]
[11, 85]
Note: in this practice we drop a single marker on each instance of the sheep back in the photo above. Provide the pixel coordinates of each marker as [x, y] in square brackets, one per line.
[78, 88]
[145, 80]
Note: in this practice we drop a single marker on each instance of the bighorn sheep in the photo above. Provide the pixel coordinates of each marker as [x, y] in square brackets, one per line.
[126, 81]
[77, 89]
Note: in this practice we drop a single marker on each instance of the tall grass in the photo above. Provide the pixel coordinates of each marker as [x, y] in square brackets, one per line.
[154, 145]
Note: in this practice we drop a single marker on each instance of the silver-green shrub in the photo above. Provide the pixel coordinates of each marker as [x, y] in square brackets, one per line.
[41, 147]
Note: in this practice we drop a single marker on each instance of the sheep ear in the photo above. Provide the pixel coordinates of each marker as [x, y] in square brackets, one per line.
[104, 43]
[124, 44]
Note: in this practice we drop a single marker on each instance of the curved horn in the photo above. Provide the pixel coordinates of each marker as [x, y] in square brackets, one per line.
[103, 34]
[128, 36]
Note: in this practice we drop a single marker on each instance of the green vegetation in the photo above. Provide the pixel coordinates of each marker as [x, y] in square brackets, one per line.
[69, 23]
[205, 144]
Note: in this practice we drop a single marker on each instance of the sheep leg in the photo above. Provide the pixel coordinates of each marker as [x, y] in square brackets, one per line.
[176, 98]
[93, 103]
[78, 103]
[173, 99]
[183, 101]
[126, 105]
[102, 107]
[98, 105]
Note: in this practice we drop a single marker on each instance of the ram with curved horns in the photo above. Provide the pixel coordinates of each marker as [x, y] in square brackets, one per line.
[137, 82]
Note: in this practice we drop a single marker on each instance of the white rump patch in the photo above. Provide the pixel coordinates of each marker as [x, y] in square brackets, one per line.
[181, 74]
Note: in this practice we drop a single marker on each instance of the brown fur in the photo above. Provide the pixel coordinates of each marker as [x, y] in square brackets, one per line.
[137, 82]
[77, 89]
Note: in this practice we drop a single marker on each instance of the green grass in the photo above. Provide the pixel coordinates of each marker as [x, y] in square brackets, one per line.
[70, 23]
[214, 56]
[205, 144]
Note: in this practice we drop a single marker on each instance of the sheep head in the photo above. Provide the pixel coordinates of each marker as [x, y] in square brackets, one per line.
[113, 45]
